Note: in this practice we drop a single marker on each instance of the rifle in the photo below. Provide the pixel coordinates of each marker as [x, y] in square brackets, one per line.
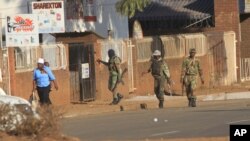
[170, 87]
[183, 87]
[122, 75]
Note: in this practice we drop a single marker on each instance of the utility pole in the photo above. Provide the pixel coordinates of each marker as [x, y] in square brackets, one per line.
[5, 62]
[1, 34]
[1, 79]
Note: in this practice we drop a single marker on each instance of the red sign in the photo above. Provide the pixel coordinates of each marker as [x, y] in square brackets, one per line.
[90, 11]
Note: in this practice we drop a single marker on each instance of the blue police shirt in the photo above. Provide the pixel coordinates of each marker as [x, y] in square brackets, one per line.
[43, 79]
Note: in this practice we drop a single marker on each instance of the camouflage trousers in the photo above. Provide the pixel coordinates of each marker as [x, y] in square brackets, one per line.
[159, 83]
[112, 84]
[190, 85]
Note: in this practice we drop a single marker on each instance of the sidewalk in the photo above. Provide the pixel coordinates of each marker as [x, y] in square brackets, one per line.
[134, 103]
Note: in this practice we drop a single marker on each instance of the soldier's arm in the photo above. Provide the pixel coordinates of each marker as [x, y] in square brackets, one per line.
[103, 62]
[200, 71]
[150, 67]
[148, 71]
[183, 70]
[118, 67]
[166, 72]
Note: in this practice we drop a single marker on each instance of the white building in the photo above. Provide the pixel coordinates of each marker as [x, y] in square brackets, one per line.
[97, 16]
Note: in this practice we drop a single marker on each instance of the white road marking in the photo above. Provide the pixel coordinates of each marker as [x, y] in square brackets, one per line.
[238, 121]
[164, 133]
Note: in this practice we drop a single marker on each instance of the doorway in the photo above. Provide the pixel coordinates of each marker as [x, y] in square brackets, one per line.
[82, 72]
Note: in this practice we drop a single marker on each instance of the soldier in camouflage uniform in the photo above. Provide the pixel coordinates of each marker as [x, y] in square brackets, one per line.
[160, 72]
[190, 70]
[114, 75]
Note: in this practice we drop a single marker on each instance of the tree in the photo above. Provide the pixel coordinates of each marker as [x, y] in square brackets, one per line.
[129, 7]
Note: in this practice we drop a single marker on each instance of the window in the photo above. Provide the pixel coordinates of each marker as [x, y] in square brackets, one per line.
[55, 55]
[26, 57]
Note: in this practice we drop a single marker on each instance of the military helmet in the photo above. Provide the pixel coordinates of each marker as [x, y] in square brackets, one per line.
[192, 50]
[111, 53]
[157, 53]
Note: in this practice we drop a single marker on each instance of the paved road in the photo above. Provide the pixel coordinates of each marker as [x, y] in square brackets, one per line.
[211, 119]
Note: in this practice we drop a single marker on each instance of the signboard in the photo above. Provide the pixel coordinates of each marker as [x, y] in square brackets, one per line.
[22, 30]
[50, 16]
[89, 10]
[85, 70]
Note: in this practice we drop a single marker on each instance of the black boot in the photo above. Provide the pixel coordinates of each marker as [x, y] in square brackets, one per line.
[193, 102]
[114, 102]
[119, 97]
[189, 102]
[161, 102]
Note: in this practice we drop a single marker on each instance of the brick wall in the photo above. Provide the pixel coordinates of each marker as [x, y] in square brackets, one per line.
[226, 16]
[245, 35]
[227, 19]
[21, 82]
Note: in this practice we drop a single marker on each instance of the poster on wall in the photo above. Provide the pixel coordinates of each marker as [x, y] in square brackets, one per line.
[50, 16]
[22, 30]
[90, 10]
[85, 70]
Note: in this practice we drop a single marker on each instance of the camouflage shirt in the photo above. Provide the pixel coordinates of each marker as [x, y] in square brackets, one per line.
[191, 67]
[163, 68]
[113, 63]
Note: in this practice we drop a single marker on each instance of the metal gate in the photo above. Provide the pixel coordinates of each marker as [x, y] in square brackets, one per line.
[82, 72]
[245, 69]
[222, 58]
